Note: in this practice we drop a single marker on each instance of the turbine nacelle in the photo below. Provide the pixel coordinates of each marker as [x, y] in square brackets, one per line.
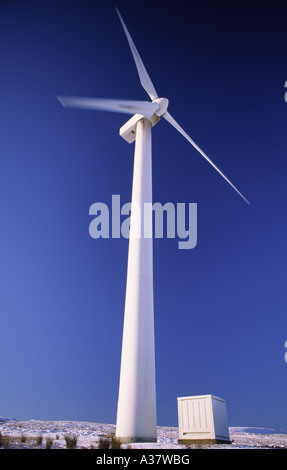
[128, 130]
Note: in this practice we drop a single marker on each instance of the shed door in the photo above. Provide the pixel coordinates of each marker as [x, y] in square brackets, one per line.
[196, 415]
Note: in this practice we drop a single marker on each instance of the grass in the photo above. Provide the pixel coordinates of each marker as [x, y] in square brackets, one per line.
[49, 442]
[109, 442]
[71, 441]
[4, 441]
[39, 440]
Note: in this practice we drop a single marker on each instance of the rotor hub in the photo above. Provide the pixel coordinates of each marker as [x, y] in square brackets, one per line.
[163, 104]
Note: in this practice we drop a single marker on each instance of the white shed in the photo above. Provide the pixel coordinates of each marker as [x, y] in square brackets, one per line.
[202, 418]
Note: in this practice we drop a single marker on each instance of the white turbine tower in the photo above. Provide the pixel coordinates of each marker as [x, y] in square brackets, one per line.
[136, 413]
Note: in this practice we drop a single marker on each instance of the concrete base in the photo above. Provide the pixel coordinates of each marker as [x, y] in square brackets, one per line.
[132, 440]
[203, 441]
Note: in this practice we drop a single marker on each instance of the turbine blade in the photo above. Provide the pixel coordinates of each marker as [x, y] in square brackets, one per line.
[119, 106]
[143, 75]
[172, 121]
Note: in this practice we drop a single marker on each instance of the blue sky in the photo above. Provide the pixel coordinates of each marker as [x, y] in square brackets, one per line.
[220, 308]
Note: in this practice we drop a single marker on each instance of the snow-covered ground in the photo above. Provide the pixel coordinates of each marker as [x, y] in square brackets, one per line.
[88, 435]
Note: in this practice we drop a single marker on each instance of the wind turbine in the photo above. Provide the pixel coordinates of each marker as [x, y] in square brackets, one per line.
[136, 412]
